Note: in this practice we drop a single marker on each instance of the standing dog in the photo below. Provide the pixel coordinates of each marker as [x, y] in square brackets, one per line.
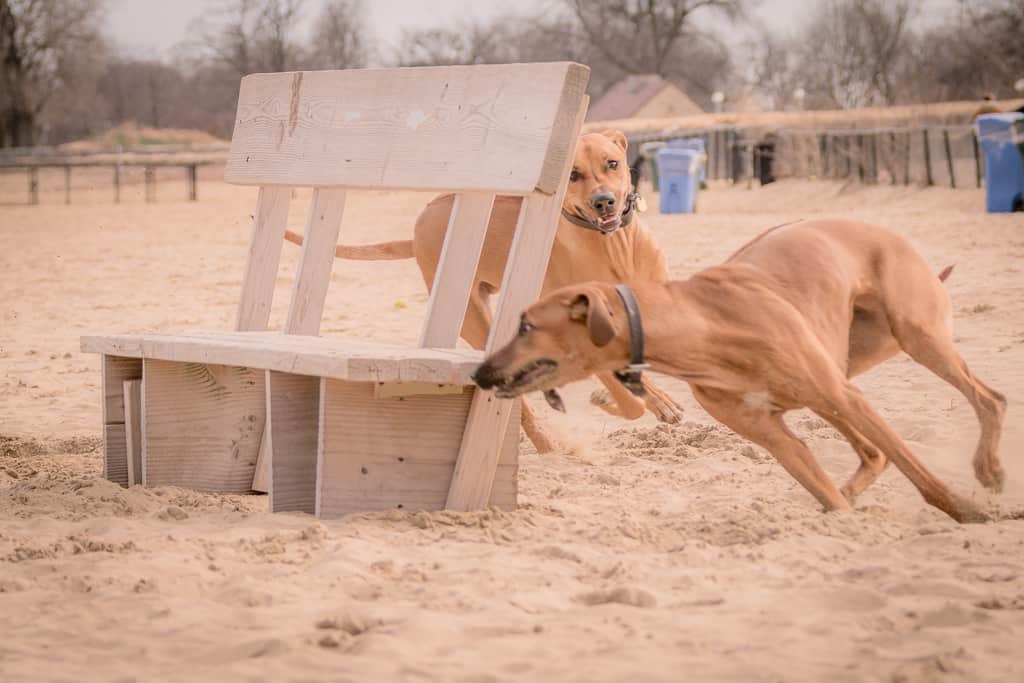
[783, 324]
[599, 237]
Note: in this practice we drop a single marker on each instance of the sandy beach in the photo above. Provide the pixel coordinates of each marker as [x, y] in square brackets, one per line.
[640, 552]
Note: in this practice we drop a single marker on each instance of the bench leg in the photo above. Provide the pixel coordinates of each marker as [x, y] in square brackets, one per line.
[397, 452]
[290, 441]
[115, 371]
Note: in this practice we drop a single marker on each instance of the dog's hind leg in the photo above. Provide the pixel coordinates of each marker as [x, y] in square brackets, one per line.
[842, 405]
[872, 461]
[766, 429]
[937, 353]
[475, 328]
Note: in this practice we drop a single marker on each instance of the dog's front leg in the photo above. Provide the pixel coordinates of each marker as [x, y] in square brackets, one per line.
[615, 399]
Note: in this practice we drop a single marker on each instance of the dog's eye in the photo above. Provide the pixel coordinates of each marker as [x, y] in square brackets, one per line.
[574, 176]
[613, 164]
[524, 326]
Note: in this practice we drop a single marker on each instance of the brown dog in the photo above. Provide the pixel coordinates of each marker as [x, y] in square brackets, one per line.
[782, 324]
[599, 237]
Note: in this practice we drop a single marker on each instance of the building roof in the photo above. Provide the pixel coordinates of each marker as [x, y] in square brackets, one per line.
[628, 96]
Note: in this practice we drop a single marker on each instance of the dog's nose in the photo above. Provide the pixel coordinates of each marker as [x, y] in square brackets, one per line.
[603, 202]
[484, 376]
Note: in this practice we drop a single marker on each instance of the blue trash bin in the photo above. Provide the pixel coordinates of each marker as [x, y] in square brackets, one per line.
[680, 171]
[1004, 169]
[696, 144]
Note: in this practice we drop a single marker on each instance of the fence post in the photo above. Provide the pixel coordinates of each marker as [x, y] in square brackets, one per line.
[906, 160]
[192, 182]
[67, 183]
[860, 157]
[873, 158]
[949, 157]
[848, 149]
[892, 156]
[150, 180]
[33, 185]
[977, 156]
[117, 183]
[927, 159]
[823, 156]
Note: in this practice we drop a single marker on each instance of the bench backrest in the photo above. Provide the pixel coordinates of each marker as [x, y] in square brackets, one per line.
[475, 130]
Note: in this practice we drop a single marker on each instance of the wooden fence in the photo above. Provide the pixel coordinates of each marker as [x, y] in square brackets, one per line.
[150, 158]
[149, 167]
[926, 155]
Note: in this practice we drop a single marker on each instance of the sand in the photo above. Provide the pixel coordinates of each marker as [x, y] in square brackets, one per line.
[639, 553]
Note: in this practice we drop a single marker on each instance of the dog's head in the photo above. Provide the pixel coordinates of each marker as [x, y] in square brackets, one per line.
[599, 185]
[566, 336]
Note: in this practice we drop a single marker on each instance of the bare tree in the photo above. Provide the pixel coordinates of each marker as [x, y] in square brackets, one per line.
[640, 36]
[147, 91]
[852, 52]
[337, 41]
[46, 47]
[973, 55]
[469, 43]
[246, 36]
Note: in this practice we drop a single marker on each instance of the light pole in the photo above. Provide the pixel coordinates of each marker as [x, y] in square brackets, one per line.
[717, 98]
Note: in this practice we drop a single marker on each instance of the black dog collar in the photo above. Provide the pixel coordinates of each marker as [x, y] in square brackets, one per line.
[624, 220]
[632, 375]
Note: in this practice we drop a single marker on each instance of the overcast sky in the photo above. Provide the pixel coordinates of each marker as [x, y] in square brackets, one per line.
[153, 27]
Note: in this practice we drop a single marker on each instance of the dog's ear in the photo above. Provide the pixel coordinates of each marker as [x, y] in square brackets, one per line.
[616, 136]
[591, 308]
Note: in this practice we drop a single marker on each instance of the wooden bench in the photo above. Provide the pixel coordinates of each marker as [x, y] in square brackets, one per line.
[332, 426]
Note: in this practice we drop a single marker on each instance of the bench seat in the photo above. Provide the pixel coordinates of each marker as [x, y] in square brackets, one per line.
[345, 359]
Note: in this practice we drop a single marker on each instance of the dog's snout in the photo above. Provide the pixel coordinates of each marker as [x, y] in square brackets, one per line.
[484, 376]
[603, 202]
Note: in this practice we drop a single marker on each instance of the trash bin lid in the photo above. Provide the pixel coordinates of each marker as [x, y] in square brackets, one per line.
[997, 126]
[680, 160]
[687, 143]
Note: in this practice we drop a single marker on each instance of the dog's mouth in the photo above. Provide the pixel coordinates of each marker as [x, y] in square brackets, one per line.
[609, 222]
[602, 223]
[531, 377]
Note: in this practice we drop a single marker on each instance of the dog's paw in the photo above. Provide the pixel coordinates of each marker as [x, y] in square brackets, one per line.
[991, 478]
[603, 400]
[664, 408]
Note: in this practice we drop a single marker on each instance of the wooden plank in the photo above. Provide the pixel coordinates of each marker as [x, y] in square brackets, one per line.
[524, 274]
[115, 454]
[456, 269]
[316, 356]
[498, 128]
[387, 454]
[133, 429]
[264, 258]
[114, 370]
[315, 262]
[293, 406]
[203, 425]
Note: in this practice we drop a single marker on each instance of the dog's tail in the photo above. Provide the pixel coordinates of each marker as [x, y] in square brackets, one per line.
[945, 272]
[382, 251]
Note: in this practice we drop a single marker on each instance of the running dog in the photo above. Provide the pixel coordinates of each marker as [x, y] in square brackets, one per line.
[783, 324]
